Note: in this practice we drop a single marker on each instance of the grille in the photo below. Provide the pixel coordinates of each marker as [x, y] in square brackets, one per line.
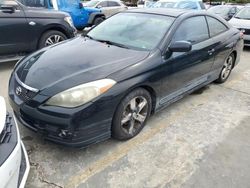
[5, 136]
[246, 41]
[23, 93]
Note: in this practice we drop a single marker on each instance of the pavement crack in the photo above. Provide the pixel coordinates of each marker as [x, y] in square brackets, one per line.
[229, 88]
[41, 175]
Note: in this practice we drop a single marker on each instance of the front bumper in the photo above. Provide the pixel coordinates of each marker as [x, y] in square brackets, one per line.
[75, 127]
[82, 137]
[15, 168]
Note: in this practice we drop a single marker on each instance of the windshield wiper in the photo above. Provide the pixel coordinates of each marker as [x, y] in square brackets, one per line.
[107, 42]
[237, 17]
[112, 43]
[86, 35]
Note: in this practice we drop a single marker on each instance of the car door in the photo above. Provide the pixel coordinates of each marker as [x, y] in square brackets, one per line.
[114, 7]
[185, 70]
[13, 28]
[222, 40]
[103, 5]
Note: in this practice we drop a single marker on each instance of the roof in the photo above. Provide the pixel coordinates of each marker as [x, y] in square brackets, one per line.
[163, 11]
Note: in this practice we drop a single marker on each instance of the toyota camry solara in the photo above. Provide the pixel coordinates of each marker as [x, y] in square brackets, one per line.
[108, 82]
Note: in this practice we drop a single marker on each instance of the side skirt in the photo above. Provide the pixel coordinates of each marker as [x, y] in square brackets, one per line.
[188, 89]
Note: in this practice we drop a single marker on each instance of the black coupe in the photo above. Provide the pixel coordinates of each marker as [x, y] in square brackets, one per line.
[108, 82]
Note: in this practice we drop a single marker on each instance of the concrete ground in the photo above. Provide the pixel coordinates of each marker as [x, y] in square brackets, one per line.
[201, 141]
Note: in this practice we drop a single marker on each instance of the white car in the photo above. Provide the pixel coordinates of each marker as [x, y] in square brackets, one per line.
[241, 20]
[14, 163]
[108, 7]
[180, 4]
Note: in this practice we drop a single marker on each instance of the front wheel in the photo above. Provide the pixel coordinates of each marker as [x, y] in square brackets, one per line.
[51, 37]
[226, 69]
[131, 114]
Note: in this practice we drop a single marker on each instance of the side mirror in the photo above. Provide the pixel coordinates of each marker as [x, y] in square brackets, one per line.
[80, 5]
[7, 8]
[99, 6]
[180, 46]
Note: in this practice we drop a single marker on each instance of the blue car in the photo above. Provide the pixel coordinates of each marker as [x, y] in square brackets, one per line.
[81, 16]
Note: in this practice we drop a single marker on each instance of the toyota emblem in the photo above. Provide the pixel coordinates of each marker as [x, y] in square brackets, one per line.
[18, 90]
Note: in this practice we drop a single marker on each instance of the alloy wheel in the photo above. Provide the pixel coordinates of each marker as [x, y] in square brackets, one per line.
[53, 39]
[227, 67]
[134, 115]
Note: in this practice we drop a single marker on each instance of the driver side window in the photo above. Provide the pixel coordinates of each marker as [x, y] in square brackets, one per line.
[193, 29]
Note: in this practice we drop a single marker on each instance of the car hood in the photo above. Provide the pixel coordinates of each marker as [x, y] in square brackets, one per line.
[2, 113]
[74, 62]
[240, 23]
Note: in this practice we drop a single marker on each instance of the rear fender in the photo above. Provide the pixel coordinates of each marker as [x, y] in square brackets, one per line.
[94, 15]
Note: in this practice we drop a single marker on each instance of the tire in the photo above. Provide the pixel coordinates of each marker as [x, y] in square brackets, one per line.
[55, 36]
[98, 20]
[131, 114]
[226, 69]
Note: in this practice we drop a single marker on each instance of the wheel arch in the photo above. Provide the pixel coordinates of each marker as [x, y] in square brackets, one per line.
[149, 89]
[52, 28]
[235, 56]
[152, 94]
[93, 16]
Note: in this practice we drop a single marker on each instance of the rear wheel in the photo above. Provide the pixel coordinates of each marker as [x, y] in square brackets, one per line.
[51, 37]
[226, 69]
[98, 20]
[131, 114]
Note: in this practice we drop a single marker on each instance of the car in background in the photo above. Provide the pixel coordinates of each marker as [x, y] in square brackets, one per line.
[108, 82]
[145, 3]
[180, 4]
[14, 163]
[108, 7]
[82, 16]
[241, 20]
[207, 5]
[24, 29]
[225, 11]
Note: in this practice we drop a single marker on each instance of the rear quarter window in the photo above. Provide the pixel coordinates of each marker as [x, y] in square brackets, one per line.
[113, 4]
[216, 27]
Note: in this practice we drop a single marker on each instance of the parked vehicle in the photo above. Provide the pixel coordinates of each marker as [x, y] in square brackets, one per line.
[82, 16]
[24, 29]
[14, 163]
[126, 68]
[180, 4]
[225, 11]
[108, 7]
[145, 3]
[242, 21]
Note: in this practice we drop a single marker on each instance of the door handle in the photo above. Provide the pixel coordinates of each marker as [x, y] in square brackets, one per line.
[210, 52]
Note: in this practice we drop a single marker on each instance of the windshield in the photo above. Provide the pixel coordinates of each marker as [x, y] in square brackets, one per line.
[91, 3]
[222, 10]
[243, 14]
[133, 30]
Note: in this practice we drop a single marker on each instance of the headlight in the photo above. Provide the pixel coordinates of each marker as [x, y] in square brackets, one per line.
[81, 94]
[68, 19]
